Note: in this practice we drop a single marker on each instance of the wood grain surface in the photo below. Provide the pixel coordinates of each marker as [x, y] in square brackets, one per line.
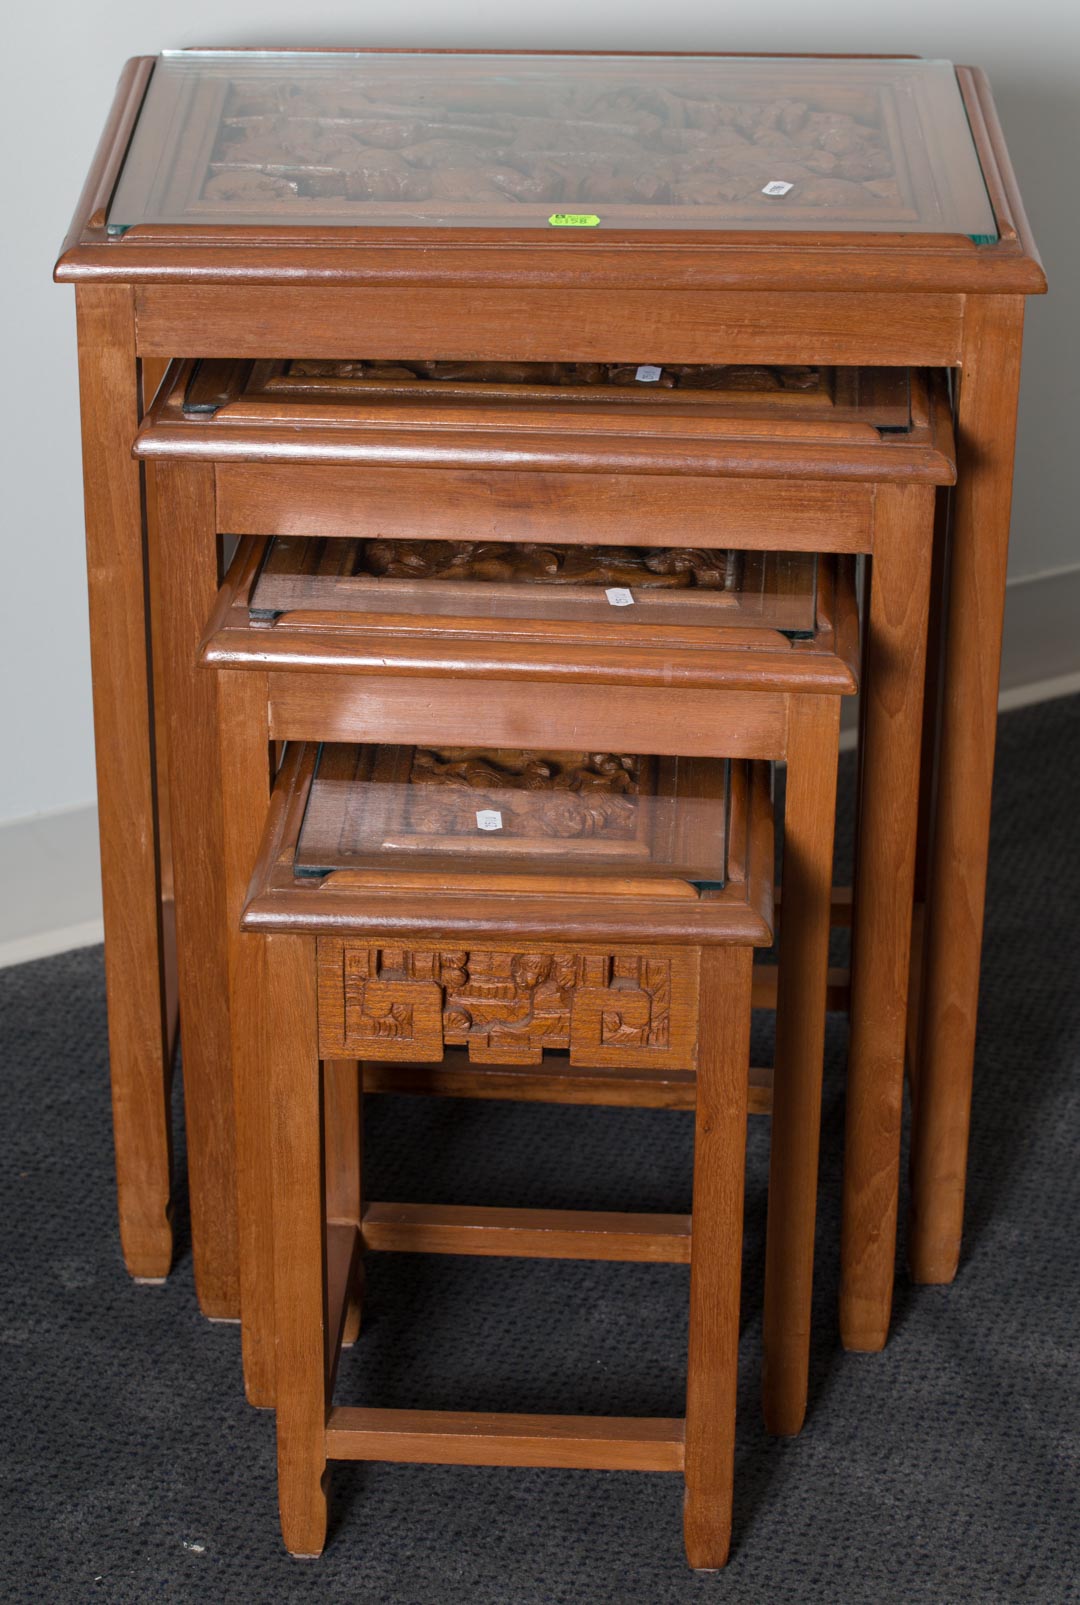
[140, 1044]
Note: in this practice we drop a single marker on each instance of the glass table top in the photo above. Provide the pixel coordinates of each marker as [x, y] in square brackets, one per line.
[553, 142]
[656, 825]
[604, 587]
[800, 390]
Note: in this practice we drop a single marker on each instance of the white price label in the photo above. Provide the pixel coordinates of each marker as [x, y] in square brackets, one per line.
[647, 374]
[618, 596]
[489, 819]
[777, 187]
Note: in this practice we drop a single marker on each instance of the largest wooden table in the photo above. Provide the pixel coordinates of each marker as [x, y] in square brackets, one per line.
[936, 300]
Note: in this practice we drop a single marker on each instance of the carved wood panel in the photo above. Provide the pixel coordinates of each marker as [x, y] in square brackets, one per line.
[615, 1006]
[741, 378]
[408, 806]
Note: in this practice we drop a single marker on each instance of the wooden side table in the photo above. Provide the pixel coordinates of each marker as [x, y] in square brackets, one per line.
[918, 265]
[346, 473]
[510, 964]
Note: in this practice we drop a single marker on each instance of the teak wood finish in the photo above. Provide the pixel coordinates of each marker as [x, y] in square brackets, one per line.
[811, 297]
[302, 931]
[323, 678]
[730, 691]
[747, 719]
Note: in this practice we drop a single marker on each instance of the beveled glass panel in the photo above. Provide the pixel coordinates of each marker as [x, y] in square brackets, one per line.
[304, 391]
[657, 826]
[874, 395]
[572, 142]
[676, 588]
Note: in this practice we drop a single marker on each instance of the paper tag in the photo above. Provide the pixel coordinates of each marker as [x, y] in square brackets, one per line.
[647, 374]
[489, 819]
[573, 220]
[777, 187]
[618, 596]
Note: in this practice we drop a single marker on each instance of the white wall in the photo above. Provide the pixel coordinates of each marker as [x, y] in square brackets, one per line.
[63, 61]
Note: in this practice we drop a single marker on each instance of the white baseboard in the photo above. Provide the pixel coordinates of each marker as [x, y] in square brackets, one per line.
[1024, 696]
[1040, 656]
[43, 943]
[52, 885]
[49, 864]
[1040, 651]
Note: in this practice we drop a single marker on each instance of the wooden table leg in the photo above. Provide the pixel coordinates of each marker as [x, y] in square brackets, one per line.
[135, 949]
[291, 1057]
[243, 776]
[153, 370]
[927, 771]
[716, 1252]
[892, 693]
[989, 385]
[343, 1093]
[244, 768]
[187, 560]
[932, 683]
[809, 813]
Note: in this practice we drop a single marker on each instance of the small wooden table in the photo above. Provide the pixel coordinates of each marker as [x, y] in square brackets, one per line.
[823, 460]
[506, 965]
[882, 245]
[748, 661]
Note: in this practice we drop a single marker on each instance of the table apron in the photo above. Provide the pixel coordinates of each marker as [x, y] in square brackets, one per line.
[512, 505]
[549, 324]
[731, 724]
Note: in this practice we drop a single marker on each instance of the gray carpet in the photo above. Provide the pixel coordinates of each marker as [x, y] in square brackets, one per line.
[942, 1470]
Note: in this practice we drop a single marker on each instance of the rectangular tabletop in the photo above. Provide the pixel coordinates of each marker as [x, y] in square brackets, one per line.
[497, 142]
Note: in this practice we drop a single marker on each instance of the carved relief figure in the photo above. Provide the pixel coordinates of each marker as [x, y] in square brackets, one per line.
[666, 568]
[740, 377]
[507, 1006]
[552, 794]
[570, 145]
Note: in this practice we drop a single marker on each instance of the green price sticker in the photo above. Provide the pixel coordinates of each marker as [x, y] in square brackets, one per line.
[573, 220]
